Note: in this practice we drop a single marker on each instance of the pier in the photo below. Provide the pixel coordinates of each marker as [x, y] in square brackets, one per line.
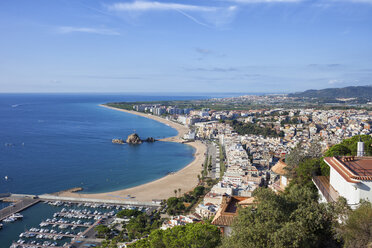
[53, 234]
[76, 215]
[20, 205]
[34, 246]
[67, 224]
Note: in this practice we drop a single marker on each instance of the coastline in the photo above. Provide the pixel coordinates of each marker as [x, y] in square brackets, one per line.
[163, 188]
[181, 129]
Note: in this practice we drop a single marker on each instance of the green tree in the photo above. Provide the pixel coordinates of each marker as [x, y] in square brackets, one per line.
[197, 235]
[305, 171]
[128, 213]
[292, 219]
[357, 230]
[102, 230]
[198, 191]
[141, 225]
[349, 146]
[338, 150]
[293, 159]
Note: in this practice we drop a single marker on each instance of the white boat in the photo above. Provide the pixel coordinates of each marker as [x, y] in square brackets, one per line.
[6, 178]
[1, 226]
[9, 219]
[16, 216]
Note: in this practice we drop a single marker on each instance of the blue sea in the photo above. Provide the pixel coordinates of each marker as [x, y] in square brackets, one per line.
[53, 142]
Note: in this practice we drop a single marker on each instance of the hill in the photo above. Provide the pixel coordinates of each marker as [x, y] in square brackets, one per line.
[332, 93]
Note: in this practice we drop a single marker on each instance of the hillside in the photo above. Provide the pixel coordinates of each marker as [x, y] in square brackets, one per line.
[332, 93]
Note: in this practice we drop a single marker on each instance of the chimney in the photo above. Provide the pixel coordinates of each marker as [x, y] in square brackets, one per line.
[360, 151]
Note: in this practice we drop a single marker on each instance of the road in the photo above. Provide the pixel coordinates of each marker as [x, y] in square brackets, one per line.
[212, 148]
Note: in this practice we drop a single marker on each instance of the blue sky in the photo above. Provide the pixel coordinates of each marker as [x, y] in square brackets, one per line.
[184, 46]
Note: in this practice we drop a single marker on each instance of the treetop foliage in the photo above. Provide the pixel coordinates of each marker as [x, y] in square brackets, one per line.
[291, 219]
[198, 235]
[349, 147]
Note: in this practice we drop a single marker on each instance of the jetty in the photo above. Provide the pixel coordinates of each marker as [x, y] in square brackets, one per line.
[34, 246]
[66, 224]
[20, 204]
[53, 234]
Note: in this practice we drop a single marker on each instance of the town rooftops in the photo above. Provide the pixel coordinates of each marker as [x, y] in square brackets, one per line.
[229, 209]
[278, 168]
[352, 169]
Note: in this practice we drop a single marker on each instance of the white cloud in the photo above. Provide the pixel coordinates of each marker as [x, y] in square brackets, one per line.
[149, 5]
[335, 81]
[101, 31]
[208, 16]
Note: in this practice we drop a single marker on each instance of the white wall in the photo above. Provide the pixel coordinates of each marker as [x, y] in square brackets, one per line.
[353, 192]
[365, 188]
[284, 180]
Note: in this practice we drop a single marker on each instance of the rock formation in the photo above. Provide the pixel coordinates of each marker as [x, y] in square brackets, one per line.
[150, 140]
[134, 139]
[118, 141]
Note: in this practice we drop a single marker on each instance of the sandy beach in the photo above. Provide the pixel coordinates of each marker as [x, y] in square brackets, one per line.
[185, 179]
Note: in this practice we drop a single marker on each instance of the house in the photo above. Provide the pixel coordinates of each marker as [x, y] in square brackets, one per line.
[229, 210]
[350, 177]
[279, 169]
[179, 220]
[206, 211]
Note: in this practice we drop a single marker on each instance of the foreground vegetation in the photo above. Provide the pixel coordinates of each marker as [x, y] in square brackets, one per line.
[199, 235]
[295, 218]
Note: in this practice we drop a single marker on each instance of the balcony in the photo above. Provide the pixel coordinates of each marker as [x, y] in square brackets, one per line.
[322, 183]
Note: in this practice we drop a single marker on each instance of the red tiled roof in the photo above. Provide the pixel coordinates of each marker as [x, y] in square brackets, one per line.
[352, 169]
[278, 168]
[228, 210]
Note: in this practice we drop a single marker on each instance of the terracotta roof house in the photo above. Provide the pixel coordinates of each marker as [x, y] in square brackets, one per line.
[350, 177]
[229, 210]
[279, 168]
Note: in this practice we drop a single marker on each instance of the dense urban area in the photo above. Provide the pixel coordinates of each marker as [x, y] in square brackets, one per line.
[262, 174]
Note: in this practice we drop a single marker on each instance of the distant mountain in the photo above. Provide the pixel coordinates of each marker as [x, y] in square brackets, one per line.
[332, 93]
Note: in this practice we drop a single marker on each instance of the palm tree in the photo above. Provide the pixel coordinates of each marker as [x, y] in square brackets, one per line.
[175, 192]
[179, 192]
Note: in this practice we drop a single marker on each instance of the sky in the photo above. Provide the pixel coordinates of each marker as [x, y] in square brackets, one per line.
[243, 46]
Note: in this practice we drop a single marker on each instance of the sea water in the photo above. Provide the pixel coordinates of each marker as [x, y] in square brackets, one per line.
[53, 142]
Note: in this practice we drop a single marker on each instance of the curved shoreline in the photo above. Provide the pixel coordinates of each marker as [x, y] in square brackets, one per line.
[163, 188]
[181, 129]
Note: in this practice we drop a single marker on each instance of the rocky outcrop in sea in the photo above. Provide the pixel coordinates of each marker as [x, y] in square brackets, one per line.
[118, 141]
[134, 139]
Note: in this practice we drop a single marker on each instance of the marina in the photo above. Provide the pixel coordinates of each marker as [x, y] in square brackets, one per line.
[54, 223]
